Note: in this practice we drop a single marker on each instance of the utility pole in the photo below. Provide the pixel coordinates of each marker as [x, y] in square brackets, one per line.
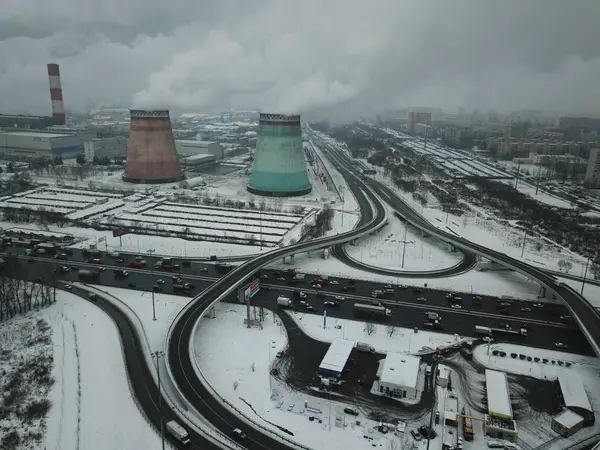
[153, 305]
[537, 186]
[158, 355]
[404, 243]
[585, 275]
[341, 190]
[524, 241]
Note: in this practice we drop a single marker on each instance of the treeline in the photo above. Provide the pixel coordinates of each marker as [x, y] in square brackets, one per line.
[18, 296]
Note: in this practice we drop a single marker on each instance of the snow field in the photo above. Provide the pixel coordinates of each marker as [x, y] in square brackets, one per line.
[235, 360]
[384, 338]
[385, 249]
[536, 428]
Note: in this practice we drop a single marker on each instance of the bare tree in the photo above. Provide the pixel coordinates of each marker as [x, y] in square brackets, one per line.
[391, 329]
[568, 266]
[561, 264]
[369, 328]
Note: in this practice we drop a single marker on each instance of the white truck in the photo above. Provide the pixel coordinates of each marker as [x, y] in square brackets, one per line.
[178, 431]
[483, 330]
[284, 302]
[364, 347]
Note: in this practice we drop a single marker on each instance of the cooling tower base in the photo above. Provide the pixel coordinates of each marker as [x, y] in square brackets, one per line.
[154, 181]
[264, 193]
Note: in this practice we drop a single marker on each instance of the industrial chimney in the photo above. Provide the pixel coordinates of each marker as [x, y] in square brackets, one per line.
[279, 168]
[151, 155]
[58, 108]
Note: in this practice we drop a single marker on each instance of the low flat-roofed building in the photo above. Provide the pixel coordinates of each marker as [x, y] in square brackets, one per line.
[501, 428]
[575, 398]
[190, 162]
[498, 395]
[337, 355]
[187, 147]
[567, 423]
[31, 145]
[399, 376]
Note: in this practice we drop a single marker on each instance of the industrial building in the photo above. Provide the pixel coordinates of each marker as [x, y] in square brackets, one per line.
[279, 168]
[111, 148]
[567, 423]
[337, 355]
[499, 421]
[26, 145]
[151, 154]
[191, 148]
[592, 173]
[575, 398]
[398, 376]
[197, 161]
[443, 378]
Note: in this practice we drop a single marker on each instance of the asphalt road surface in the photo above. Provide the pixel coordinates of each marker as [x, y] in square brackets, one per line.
[545, 324]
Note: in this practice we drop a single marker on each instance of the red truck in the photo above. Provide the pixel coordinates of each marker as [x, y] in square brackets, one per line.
[137, 264]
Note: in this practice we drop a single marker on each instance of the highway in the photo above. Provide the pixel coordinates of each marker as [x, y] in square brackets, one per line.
[545, 323]
[142, 382]
[585, 314]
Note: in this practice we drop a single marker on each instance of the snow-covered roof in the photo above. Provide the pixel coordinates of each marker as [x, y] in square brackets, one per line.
[497, 394]
[198, 157]
[573, 392]
[568, 418]
[400, 370]
[40, 135]
[444, 372]
[194, 143]
[336, 357]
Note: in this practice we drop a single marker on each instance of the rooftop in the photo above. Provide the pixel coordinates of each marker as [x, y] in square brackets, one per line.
[400, 370]
[497, 394]
[337, 355]
[192, 142]
[573, 392]
[568, 418]
[40, 135]
[197, 157]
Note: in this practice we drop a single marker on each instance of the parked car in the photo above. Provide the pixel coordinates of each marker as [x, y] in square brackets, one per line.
[160, 281]
[334, 282]
[239, 434]
[421, 299]
[203, 269]
[416, 436]
[456, 307]
[526, 309]
[340, 298]
[303, 295]
[351, 411]
[330, 303]
[561, 345]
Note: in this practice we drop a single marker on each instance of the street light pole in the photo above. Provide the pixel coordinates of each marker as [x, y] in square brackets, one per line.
[585, 275]
[524, 241]
[158, 354]
[153, 305]
[404, 243]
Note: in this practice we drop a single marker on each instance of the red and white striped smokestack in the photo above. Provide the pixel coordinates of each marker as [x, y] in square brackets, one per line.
[58, 108]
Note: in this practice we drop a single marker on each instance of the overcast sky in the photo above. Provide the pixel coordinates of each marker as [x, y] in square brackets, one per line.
[341, 57]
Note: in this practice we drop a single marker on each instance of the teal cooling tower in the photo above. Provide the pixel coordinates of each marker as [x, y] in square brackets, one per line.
[279, 168]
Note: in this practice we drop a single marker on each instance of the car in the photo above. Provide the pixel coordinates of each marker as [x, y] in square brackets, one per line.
[334, 282]
[68, 287]
[302, 294]
[388, 286]
[264, 276]
[94, 261]
[203, 269]
[330, 303]
[316, 286]
[238, 434]
[351, 411]
[505, 304]
[125, 273]
[119, 260]
[402, 286]
[437, 417]
[340, 297]
[561, 345]
[61, 256]
[279, 354]
[504, 325]
[538, 305]
[160, 281]
[449, 295]
[102, 269]
[176, 279]
[566, 317]
[456, 307]
[421, 299]
[310, 308]
[303, 303]
[526, 309]
[477, 297]
[416, 436]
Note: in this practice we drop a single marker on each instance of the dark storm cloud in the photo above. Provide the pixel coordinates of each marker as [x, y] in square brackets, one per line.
[335, 56]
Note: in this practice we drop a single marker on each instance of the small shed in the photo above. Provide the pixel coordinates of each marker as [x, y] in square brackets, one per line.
[567, 423]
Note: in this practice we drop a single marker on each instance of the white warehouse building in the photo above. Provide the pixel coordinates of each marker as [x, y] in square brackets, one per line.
[192, 148]
[32, 145]
[399, 377]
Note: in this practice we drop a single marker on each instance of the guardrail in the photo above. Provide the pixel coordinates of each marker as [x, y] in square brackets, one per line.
[225, 287]
[209, 433]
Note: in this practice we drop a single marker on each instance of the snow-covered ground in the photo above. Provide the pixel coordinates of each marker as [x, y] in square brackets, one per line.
[89, 379]
[385, 249]
[236, 359]
[536, 428]
[383, 338]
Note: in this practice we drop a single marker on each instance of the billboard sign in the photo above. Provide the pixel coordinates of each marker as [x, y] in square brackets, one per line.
[251, 290]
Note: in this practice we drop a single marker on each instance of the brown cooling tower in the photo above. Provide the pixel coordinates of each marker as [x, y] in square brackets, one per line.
[151, 154]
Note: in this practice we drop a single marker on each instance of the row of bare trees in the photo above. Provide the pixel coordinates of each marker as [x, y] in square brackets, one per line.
[25, 293]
